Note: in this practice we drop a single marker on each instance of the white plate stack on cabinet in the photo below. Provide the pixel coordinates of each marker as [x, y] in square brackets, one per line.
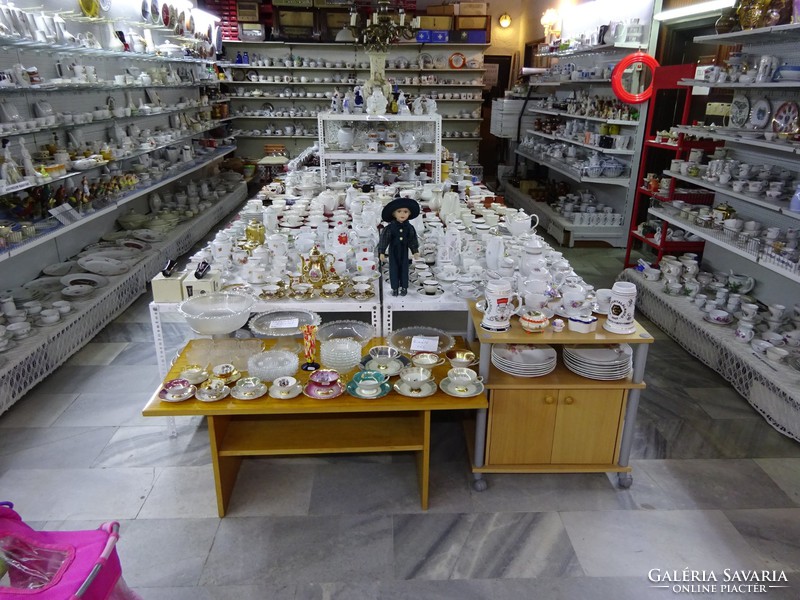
[278, 95]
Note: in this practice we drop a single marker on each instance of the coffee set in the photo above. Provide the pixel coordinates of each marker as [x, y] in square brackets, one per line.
[18, 323]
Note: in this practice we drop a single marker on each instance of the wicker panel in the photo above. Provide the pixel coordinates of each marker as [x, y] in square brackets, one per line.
[772, 393]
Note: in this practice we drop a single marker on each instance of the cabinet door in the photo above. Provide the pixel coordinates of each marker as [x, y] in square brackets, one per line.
[521, 426]
[587, 426]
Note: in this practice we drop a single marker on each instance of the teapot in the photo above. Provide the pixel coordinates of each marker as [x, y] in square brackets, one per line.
[316, 267]
[498, 305]
[519, 223]
[740, 284]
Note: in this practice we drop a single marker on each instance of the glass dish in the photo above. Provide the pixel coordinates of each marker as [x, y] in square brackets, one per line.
[401, 339]
[358, 330]
[216, 313]
[273, 364]
[268, 324]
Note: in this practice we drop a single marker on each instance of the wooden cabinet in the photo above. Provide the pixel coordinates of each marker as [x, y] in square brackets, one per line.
[554, 427]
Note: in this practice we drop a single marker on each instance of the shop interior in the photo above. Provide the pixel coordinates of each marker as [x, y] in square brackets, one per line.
[385, 299]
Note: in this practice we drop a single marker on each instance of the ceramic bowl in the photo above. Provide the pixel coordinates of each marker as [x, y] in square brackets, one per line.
[383, 354]
[369, 381]
[216, 313]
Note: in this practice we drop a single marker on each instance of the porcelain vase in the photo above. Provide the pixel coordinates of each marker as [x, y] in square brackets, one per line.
[377, 75]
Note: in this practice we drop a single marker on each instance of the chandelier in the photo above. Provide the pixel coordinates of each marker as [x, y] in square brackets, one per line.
[384, 27]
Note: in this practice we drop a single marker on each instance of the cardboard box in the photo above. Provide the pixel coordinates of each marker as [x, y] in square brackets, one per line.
[463, 23]
[471, 36]
[442, 23]
[247, 12]
[442, 9]
[469, 9]
[440, 37]
[168, 289]
[194, 287]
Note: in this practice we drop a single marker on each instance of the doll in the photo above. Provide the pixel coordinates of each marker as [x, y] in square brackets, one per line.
[397, 238]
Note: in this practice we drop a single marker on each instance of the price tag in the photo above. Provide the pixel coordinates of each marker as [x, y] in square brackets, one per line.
[425, 343]
[65, 214]
[284, 323]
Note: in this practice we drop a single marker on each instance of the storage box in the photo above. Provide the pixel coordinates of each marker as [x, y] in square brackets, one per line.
[440, 37]
[168, 289]
[423, 35]
[471, 36]
[442, 9]
[194, 287]
[463, 23]
[467, 9]
[442, 23]
[247, 11]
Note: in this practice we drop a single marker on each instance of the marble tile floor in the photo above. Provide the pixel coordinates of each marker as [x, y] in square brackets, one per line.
[714, 488]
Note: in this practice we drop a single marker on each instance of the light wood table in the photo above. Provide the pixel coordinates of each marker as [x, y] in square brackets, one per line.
[561, 422]
[302, 425]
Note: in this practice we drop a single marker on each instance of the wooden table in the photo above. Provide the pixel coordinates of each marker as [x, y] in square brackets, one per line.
[561, 422]
[302, 425]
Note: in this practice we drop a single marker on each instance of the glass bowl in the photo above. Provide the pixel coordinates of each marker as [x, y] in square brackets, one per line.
[273, 364]
[358, 330]
[216, 313]
[341, 354]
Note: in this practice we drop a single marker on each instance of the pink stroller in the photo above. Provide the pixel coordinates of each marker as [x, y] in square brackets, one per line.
[59, 565]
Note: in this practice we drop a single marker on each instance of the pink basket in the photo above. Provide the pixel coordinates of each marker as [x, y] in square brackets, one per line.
[59, 565]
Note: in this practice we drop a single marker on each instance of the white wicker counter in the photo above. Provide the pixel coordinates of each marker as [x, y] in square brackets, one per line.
[775, 393]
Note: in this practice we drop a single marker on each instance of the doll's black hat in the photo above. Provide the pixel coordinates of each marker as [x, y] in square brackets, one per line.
[388, 211]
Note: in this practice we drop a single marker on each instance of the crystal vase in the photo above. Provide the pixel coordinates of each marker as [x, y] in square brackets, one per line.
[377, 75]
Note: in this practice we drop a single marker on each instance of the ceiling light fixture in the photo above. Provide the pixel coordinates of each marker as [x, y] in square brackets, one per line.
[685, 13]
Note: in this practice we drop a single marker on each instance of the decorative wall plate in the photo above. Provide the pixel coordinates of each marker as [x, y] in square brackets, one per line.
[155, 12]
[740, 110]
[786, 118]
[105, 5]
[145, 10]
[457, 60]
[425, 61]
[761, 113]
[180, 21]
[440, 62]
[90, 8]
[165, 15]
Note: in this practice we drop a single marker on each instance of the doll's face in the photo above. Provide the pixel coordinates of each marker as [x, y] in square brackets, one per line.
[401, 214]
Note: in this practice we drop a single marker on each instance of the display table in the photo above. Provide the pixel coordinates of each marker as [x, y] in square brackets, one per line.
[772, 389]
[302, 425]
[345, 305]
[561, 422]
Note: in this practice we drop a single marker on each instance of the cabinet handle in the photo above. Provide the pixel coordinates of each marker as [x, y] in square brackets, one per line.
[569, 400]
[549, 400]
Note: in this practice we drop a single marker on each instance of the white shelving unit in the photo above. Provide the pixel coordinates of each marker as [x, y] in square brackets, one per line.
[329, 123]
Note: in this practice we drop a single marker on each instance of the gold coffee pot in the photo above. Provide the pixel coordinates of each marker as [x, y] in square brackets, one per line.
[317, 267]
[255, 232]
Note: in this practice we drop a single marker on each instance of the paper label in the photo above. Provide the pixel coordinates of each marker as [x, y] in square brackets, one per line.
[65, 214]
[284, 323]
[425, 343]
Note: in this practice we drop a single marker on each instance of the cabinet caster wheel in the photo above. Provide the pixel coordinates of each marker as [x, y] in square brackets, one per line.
[624, 480]
[480, 485]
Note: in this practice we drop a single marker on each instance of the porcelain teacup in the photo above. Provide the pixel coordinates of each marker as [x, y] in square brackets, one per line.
[177, 387]
[415, 377]
[249, 386]
[463, 376]
[19, 329]
[461, 357]
[427, 360]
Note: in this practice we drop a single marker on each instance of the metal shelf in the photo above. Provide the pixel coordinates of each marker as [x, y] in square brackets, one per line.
[581, 144]
[564, 169]
[763, 35]
[561, 113]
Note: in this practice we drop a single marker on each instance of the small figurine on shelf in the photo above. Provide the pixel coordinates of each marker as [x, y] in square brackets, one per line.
[347, 103]
[397, 239]
[416, 106]
[430, 106]
[377, 102]
[358, 101]
[402, 107]
[336, 101]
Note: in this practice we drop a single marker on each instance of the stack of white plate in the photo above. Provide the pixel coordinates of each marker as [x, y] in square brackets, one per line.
[599, 362]
[524, 360]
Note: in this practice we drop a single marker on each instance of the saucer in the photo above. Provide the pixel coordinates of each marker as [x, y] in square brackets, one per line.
[471, 389]
[353, 390]
[239, 395]
[193, 376]
[11, 344]
[205, 395]
[392, 368]
[439, 291]
[356, 296]
[19, 338]
[39, 323]
[319, 392]
[713, 322]
[427, 388]
[619, 330]
[232, 377]
[287, 394]
[167, 397]
[596, 310]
